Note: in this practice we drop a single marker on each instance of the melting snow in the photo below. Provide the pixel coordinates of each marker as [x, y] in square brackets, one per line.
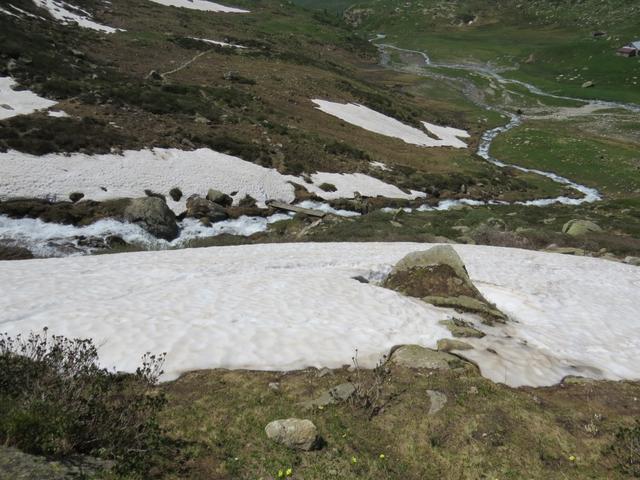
[102, 177]
[68, 14]
[376, 122]
[225, 307]
[19, 102]
[200, 5]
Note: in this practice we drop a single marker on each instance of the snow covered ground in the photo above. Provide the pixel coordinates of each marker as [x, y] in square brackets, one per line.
[376, 122]
[204, 5]
[289, 306]
[19, 102]
[101, 177]
[68, 14]
[217, 42]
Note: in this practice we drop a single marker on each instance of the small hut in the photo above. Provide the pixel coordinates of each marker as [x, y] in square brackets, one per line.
[630, 50]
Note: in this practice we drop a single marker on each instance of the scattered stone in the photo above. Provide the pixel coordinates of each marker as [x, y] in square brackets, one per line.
[152, 214]
[632, 261]
[360, 279]
[76, 196]
[216, 196]
[275, 386]
[415, 356]
[248, 201]
[438, 401]
[588, 84]
[176, 194]
[449, 344]
[323, 372]
[439, 277]
[566, 250]
[576, 228]
[460, 328]
[340, 393]
[294, 433]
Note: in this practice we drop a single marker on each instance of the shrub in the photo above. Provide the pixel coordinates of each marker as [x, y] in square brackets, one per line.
[328, 187]
[56, 400]
[626, 449]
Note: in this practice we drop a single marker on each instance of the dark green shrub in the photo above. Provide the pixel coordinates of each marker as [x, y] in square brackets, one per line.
[328, 187]
[56, 400]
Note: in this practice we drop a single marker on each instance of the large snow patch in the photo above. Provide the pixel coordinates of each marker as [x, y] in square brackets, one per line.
[66, 14]
[204, 5]
[377, 122]
[290, 306]
[19, 102]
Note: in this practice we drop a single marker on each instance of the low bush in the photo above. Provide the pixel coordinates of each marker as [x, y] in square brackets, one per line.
[625, 449]
[56, 400]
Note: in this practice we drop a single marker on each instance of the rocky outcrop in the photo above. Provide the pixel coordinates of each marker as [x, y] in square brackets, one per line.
[153, 215]
[460, 328]
[222, 199]
[449, 344]
[294, 433]
[438, 276]
[10, 252]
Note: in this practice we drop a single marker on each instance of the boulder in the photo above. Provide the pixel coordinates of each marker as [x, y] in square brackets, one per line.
[449, 344]
[575, 227]
[588, 84]
[11, 252]
[176, 194]
[415, 356]
[216, 196]
[153, 215]
[438, 276]
[198, 207]
[76, 196]
[294, 433]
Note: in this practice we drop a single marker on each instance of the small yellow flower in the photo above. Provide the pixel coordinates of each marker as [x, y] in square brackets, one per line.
[354, 460]
[572, 458]
[382, 456]
[280, 474]
[289, 472]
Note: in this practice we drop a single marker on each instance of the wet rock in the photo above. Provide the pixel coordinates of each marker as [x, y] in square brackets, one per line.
[576, 228]
[76, 196]
[438, 276]
[10, 252]
[216, 196]
[415, 356]
[449, 344]
[294, 433]
[153, 215]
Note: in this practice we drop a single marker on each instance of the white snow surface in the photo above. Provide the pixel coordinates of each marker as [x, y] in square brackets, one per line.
[217, 42]
[288, 306]
[200, 5]
[128, 175]
[377, 122]
[66, 13]
[19, 102]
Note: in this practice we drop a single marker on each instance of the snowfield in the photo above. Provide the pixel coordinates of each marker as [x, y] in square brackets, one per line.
[204, 5]
[290, 306]
[129, 174]
[68, 14]
[376, 122]
[19, 102]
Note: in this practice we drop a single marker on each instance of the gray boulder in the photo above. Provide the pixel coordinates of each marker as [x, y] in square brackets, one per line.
[216, 196]
[575, 227]
[438, 400]
[294, 433]
[438, 276]
[337, 394]
[152, 214]
[198, 207]
[632, 261]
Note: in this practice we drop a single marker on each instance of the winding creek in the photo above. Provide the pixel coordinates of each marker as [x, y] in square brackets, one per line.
[589, 194]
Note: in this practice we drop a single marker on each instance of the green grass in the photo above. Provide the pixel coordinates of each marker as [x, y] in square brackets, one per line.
[611, 166]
